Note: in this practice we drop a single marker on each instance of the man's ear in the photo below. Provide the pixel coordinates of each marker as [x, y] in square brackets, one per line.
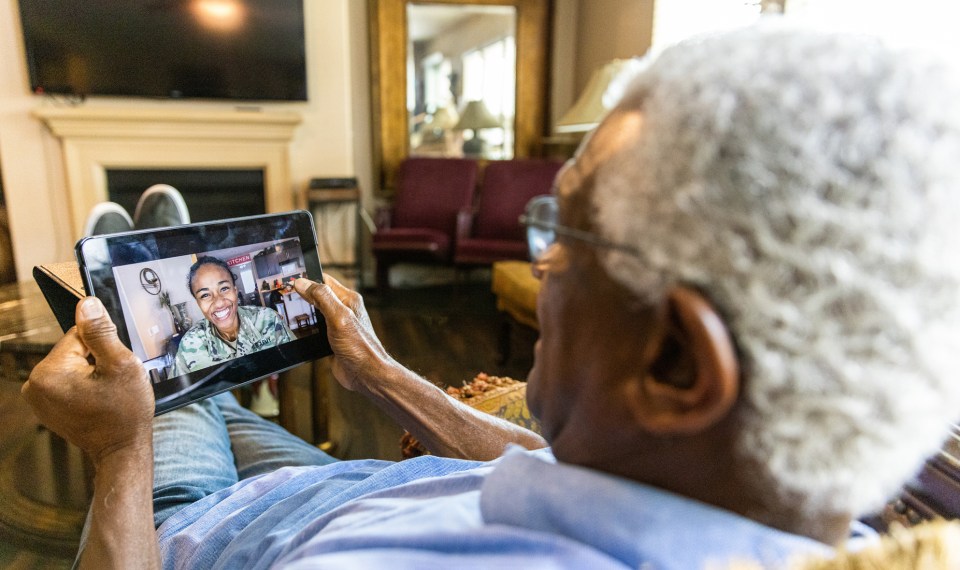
[692, 377]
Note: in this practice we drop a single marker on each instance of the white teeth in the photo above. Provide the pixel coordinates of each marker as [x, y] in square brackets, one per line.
[221, 314]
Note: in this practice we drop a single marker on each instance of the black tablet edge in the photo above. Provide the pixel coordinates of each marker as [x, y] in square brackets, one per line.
[232, 369]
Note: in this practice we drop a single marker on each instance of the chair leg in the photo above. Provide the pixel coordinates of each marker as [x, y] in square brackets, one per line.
[504, 339]
[461, 277]
[383, 277]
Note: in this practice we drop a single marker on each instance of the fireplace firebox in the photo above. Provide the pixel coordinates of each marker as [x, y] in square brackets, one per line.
[209, 194]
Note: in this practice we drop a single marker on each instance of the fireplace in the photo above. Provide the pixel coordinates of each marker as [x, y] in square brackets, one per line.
[209, 194]
[101, 142]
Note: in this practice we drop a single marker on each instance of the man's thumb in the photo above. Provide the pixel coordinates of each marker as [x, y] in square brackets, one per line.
[319, 296]
[95, 328]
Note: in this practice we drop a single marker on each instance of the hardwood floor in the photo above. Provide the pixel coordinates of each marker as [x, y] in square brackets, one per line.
[446, 333]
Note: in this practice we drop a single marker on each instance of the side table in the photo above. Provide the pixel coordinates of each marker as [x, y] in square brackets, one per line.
[327, 196]
[45, 483]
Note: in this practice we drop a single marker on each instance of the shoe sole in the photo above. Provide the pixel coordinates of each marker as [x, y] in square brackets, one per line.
[171, 193]
[99, 210]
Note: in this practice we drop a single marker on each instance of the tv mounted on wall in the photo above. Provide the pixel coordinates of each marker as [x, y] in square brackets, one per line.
[212, 49]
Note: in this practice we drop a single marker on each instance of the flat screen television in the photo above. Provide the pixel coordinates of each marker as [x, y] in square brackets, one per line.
[211, 49]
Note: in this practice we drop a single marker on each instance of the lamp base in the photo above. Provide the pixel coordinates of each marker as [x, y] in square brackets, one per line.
[473, 147]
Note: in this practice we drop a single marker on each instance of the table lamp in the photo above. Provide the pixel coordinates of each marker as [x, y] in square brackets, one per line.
[435, 128]
[589, 109]
[476, 116]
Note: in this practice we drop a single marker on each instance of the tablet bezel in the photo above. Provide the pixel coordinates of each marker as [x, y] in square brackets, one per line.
[97, 257]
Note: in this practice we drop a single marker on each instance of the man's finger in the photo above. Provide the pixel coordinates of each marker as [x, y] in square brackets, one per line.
[319, 295]
[338, 288]
[305, 287]
[67, 353]
[97, 331]
[70, 346]
[346, 295]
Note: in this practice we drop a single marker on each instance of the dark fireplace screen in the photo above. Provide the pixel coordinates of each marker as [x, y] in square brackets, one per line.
[209, 194]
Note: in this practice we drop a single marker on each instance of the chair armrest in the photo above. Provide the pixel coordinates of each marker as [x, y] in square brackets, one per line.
[382, 218]
[465, 223]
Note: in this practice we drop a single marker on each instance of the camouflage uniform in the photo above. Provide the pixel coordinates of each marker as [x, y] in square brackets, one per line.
[201, 347]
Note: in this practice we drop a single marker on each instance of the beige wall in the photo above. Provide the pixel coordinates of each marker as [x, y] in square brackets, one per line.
[588, 34]
[610, 29]
[563, 59]
[325, 143]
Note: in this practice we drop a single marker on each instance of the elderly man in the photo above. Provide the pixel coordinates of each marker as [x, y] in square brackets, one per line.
[748, 324]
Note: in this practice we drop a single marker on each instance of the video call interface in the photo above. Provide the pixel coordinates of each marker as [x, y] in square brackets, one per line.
[208, 307]
[239, 304]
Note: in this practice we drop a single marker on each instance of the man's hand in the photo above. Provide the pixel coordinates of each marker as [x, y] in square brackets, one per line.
[91, 390]
[359, 357]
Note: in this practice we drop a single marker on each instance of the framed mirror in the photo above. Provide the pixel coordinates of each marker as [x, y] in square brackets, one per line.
[457, 78]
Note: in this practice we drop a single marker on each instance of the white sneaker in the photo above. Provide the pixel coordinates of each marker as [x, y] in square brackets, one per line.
[107, 218]
[160, 206]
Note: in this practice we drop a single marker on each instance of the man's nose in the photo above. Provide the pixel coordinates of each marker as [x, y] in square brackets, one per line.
[541, 264]
[538, 267]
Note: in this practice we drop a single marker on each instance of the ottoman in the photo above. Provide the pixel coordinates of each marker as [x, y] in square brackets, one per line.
[516, 289]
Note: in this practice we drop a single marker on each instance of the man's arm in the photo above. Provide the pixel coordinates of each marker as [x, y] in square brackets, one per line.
[93, 392]
[121, 530]
[443, 425]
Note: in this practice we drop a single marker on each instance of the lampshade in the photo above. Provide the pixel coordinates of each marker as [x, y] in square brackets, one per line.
[476, 116]
[444, 118]
[589, 108]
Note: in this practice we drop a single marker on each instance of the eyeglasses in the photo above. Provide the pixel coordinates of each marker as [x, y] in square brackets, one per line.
[540, 218]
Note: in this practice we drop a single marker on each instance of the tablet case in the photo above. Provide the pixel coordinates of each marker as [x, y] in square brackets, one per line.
[62, 286]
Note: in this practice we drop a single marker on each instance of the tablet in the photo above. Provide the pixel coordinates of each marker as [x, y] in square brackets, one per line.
[210, 306]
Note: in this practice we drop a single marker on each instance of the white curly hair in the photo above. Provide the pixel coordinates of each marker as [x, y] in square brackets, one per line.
[809, 184]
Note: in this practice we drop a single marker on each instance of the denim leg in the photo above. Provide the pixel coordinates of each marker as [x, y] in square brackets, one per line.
[208, 446]
[192, 457]
[260, 446]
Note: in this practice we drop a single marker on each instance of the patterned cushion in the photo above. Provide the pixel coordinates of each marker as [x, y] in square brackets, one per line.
[497, 395]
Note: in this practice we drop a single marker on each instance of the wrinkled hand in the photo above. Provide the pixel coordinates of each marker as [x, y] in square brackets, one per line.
[91, 390]
[359, 357]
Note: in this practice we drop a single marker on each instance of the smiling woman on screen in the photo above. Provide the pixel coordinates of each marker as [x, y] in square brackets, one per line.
[227, 330]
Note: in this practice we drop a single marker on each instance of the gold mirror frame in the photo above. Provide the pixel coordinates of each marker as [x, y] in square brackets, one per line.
[388, 40]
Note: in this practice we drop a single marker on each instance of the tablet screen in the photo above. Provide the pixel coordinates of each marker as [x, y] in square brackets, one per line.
[208, 307]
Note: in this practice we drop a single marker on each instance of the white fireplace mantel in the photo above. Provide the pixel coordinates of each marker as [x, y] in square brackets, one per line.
[97, 139]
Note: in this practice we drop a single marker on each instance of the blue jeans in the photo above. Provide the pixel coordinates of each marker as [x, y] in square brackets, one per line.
[208, 446]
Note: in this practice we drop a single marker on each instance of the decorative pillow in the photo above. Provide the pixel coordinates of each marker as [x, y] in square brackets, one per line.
[496, 395]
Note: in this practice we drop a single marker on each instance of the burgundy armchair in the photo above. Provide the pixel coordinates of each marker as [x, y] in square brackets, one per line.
[492, 232]
[421, 225]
